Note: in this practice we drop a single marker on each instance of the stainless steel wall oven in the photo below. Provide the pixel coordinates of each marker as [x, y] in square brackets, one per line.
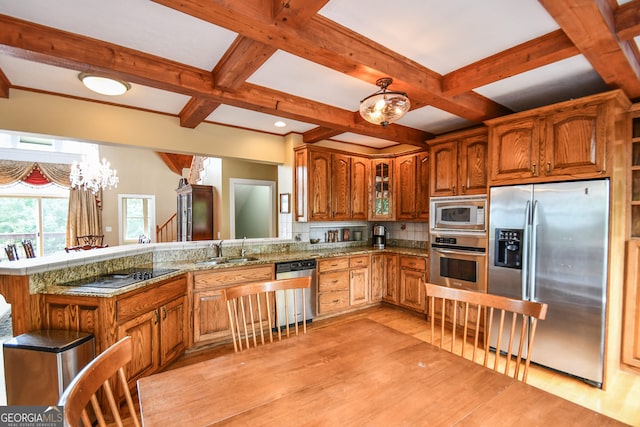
[459, 261]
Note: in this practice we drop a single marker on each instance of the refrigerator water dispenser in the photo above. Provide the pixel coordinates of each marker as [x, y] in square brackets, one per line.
[508, 248]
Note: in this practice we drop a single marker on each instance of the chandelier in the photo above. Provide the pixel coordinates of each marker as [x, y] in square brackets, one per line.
[90, 174]
[384, 107]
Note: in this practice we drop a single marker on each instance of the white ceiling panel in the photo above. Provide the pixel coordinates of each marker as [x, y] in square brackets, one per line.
[136, 24]
[444, 35]
[430, 119]
[229, 115]
[291, 74]
[571, 78]
[368, 141]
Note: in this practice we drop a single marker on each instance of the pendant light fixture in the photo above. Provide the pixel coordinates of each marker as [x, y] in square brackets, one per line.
[384, 107]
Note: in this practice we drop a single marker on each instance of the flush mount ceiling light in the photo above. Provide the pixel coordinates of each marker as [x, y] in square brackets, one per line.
[279, 124]
[384, 107]
[104, 85]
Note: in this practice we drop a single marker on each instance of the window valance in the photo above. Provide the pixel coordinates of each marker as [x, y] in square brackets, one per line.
[34, 173]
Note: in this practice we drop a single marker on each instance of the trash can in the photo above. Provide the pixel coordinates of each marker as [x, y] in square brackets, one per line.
[39, 365]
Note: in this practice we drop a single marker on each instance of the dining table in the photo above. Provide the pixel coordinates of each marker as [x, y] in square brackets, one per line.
[354, 373]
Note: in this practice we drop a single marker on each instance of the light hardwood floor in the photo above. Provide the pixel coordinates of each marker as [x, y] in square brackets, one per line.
[621, 400]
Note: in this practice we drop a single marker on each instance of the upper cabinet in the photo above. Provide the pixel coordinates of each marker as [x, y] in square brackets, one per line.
[330, 185]
[412, 186]
[562, 141]
[459, 163]
[382, 189]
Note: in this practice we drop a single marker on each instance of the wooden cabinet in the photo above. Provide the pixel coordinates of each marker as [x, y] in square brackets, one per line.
[330, 185]
[384, 277]
[459, 164]
[359, 187]
[343, 283]
[381, 202]
[413, 275]
[333, 285]
[563, 141]
[210, 316]
[412, 187]
[359, 287]
[156, 320]
[319, 185]
[79, 314]
[195, 212]
[631, 326]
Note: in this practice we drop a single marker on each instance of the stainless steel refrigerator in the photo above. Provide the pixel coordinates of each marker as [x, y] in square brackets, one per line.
[549, 243]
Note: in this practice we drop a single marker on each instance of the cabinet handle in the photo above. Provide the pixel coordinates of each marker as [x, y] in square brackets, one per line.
[164, 313]
[548, 168]
[156, 317]
[533, 169]
[453, 188]
[464, 189]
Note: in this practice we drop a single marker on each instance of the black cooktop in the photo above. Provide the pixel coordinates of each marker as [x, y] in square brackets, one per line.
[120, 278]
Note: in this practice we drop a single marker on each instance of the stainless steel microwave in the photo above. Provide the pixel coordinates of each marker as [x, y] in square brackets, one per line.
[459, 213]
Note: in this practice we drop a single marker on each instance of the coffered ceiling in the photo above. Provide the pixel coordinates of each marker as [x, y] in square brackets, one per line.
[309, 63]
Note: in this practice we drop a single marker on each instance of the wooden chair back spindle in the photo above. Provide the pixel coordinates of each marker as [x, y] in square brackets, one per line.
[503, 309]
[254, 310]
[27, 245]
[95, 377]
[11, 251]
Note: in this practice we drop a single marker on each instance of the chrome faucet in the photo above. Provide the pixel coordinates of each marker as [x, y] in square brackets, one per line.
[218, 247]
[243, 251]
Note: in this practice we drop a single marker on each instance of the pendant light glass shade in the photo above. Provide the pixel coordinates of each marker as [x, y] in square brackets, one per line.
[384, 107]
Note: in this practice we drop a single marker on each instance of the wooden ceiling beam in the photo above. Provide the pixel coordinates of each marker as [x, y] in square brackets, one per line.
[5, 85]
[627, 19]
[245, 56]
[319, 134]
[58, 48]
[240, 61]
[196, 111]
[176, 162]
[527, 56]
[327, 43]
[590, 25]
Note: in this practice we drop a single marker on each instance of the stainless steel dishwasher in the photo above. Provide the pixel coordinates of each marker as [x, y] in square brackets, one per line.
[291, 269]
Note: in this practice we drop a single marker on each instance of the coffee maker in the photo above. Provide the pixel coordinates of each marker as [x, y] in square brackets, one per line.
[379, 236]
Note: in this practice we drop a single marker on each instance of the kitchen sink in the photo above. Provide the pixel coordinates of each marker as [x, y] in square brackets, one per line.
[242, 259]
[212, 261]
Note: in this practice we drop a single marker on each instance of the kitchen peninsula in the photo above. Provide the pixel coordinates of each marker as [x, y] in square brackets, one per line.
[182, 309]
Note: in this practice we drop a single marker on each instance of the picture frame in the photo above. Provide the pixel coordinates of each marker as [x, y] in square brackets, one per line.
[285, 205]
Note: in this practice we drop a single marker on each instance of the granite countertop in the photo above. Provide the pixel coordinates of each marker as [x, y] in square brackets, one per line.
[182, 267]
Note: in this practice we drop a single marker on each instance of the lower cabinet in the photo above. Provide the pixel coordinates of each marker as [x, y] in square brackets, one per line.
[384, 277]
[343, 283]
[412, 276]
[156, 320]
[210, 315]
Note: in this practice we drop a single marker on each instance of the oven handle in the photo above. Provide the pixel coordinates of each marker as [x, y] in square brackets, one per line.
[454, 252]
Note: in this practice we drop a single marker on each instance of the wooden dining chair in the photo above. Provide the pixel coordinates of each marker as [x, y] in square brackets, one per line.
[256, 308]
[90, 239]
[474, 313]
[27, 245]
[96, 377]
[11, 251]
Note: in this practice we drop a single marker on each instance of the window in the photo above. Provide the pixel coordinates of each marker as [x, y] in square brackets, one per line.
[38, 214]
[136, 217]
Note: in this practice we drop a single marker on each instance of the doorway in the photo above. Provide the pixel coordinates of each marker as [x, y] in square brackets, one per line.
[252, 209]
